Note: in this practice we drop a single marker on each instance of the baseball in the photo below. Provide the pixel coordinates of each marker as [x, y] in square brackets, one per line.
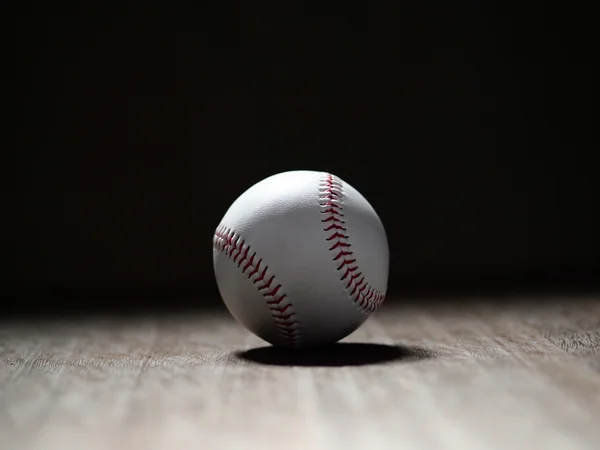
[301, 259]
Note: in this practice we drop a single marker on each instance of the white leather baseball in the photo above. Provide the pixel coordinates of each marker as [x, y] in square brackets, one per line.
[301, 258]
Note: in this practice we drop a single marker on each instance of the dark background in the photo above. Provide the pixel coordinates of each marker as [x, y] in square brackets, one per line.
[467, 126]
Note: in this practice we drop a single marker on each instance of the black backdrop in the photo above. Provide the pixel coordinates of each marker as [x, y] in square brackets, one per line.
[465, 125]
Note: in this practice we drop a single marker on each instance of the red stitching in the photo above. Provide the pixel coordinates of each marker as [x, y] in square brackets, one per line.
[229, 242]
[331, 196]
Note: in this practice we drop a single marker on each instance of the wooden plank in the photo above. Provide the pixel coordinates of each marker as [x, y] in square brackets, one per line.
[478, 375]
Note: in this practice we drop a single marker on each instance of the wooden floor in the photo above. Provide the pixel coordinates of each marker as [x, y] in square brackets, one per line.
[470, 377]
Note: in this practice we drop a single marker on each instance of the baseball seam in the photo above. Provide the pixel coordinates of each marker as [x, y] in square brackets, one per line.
[237, 250]
[331, 199]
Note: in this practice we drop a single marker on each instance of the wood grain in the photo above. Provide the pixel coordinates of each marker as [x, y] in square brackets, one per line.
[523, 375]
